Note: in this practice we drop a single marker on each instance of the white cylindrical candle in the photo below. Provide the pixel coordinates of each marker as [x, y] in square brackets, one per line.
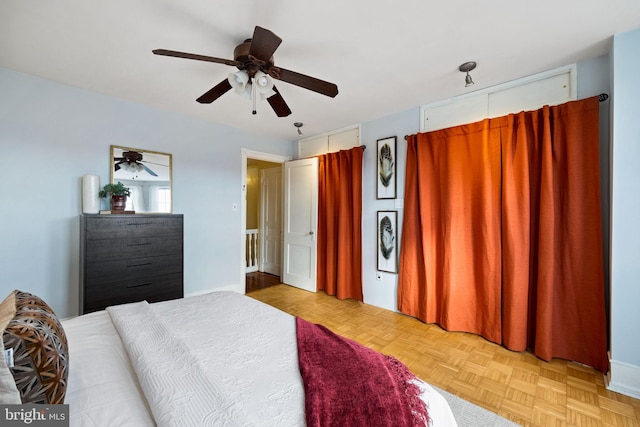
[90, 189]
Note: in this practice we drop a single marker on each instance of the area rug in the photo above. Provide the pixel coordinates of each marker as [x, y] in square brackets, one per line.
[468, 414]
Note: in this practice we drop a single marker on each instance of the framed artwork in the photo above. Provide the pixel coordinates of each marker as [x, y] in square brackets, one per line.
[387, 241]
[386, 176]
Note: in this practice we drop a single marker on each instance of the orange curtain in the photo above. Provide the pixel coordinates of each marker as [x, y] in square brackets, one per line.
[340, 224]
[449, 259]
[502, 233]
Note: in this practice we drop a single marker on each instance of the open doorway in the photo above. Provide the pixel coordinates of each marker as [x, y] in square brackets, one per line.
[263, 223]
[262, 219]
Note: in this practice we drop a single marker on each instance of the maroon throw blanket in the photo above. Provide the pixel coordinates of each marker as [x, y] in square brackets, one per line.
[347, 384]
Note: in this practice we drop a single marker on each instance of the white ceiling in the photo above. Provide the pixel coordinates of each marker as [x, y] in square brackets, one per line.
[386, 57]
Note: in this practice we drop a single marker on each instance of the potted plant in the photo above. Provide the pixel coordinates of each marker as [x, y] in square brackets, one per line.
[118, 193]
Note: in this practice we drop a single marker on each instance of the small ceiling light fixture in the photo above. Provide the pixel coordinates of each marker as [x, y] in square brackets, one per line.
[465, 68]
[298, 125]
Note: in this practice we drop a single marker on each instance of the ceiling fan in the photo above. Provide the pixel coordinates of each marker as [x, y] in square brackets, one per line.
[131, 161]
[254, 59]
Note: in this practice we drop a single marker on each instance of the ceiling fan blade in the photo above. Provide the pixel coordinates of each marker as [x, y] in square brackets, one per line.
[278, 104]
[263, 44]
[165, 52]
[214, 93]
[307, 82]
[149, 171]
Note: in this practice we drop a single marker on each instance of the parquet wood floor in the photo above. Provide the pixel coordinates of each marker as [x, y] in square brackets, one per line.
[517, 386]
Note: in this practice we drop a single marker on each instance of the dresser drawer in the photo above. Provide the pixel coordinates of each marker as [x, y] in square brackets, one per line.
[127, 225]
[133, 268]
[151, 289]
[132, 247]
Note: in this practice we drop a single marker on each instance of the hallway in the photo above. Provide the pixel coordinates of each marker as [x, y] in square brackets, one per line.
[259, 280]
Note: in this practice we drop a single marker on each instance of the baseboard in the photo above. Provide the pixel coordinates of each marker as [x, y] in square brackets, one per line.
[236, 287]
[624, 378]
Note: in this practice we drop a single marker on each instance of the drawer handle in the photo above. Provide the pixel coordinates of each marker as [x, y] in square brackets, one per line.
[138, 265]
[137, 285]
[139, 244]
[138, 223]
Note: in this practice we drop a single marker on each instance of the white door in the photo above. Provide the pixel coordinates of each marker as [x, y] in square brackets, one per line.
[271, 220]
[300, 223]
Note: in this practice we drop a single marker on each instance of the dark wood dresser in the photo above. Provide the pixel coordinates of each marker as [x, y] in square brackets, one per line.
[129, 258]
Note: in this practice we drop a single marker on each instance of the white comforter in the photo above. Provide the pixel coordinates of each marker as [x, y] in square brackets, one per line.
[217, 359]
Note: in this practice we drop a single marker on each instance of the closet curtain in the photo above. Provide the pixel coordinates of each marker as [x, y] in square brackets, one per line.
[339, 258]
[502, 233]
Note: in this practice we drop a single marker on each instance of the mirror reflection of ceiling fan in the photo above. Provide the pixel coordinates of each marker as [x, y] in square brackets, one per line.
[254, 60]
[131, 161]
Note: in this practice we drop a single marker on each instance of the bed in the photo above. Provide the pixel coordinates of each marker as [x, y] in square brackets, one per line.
[216, 359]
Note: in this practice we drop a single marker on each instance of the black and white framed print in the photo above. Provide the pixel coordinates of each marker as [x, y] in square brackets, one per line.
[386, 176]
[388, 241]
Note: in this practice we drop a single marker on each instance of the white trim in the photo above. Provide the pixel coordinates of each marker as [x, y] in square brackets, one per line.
[257, 155]
[624, 378]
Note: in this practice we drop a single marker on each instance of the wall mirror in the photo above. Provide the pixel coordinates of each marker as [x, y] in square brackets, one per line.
[148, 176]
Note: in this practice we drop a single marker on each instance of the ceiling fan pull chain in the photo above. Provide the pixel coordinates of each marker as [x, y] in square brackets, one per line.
[253, 95]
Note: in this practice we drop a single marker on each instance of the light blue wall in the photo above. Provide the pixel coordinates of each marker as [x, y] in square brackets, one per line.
[625, 266]
[382, 292]
[52, 134]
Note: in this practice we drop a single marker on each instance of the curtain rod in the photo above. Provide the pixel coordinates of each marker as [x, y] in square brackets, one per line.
[602, 97]
[364, 147]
